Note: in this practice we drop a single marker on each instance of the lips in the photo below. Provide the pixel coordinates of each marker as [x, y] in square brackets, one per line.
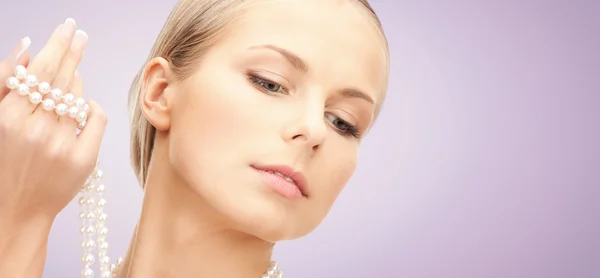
[287, 173]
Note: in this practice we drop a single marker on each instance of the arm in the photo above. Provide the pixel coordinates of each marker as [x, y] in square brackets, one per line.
[23, 248]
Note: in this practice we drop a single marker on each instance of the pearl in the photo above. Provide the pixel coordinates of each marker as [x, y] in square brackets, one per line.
[73, 110]
[81, 125]
[20, 72]
[80, 102]
[12, 83]
[23, 89]
[61, 109]
[86, 108]
[69, 99]
[90, 216]
[87, 273]
[31, 80]
[101, 188]
[44, 87]
[102, 253]
[88, 245]
[105, 260]
[48, 104]
[35, 98]
[90, 187]
[56, 94]
[81, 117]
[103, 231]
[106, 274]
[104, 246]
[88, 259]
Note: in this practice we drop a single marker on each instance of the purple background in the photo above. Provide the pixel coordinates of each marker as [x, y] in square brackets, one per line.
[485, 161]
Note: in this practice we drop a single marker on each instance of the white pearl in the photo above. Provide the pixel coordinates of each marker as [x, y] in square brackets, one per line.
[88, 245]
[73, 110]
[90, 230]
[61, 109]
[104, 246]
[102, 201]
[103, 231]
[44, 87]
[81, 125]
[20, 72]
[105, 260]
[119, 261]
[80, 102]
[82, 215]
[69, 99]
[87, 273]
[48, 104]
[101, 188]
[90, 187]
[100, 239]
[88, 259]
[90, 216]
[103, 253]
[23, 89]
[106, 274]
[12, 82]
[99, 174]
[81, 117]
[56, 94]
[90, 201]
[86, 108]
[35, 97]
[31, 80]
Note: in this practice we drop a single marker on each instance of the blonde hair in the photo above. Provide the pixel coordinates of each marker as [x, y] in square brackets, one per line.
[190, 30]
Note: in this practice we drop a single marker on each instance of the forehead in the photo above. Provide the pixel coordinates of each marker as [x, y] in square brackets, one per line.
[339, 42]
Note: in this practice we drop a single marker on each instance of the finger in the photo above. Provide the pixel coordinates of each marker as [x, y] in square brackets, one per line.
[64, 77]
[47, 62]
[89, 140]
[68, 121]
[19, 56]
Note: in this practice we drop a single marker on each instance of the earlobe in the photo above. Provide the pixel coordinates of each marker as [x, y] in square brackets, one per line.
[153, 98]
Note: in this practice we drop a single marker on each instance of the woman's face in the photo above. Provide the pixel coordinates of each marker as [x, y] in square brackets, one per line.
[292, 87]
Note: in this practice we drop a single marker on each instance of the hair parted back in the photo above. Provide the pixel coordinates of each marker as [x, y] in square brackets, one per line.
[192, 27]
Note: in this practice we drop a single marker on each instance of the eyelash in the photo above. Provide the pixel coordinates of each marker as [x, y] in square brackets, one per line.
[263, 84]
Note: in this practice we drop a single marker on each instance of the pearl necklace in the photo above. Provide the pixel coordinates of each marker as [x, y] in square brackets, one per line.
[95, 233]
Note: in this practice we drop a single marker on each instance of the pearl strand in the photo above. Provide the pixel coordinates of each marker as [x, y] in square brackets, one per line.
[93, 229]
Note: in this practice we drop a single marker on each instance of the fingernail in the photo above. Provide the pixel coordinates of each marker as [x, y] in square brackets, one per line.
[80, 40]
[68, 27]
[20, 49]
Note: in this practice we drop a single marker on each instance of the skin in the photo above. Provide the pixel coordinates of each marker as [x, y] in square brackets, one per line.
[36, 144]
[206, 211]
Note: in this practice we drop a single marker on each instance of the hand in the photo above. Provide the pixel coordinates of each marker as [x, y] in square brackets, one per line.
[43, 162]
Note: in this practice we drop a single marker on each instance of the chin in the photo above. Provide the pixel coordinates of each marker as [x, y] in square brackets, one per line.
[267, 218]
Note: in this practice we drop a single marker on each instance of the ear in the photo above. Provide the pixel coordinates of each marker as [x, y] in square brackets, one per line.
[153, 98]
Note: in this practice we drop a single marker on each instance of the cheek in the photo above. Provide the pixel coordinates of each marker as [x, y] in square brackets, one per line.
[209, 122]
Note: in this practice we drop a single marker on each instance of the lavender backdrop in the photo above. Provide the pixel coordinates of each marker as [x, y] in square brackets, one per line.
[485, 162]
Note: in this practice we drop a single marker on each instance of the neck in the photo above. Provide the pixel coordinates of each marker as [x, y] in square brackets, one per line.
[180, 235]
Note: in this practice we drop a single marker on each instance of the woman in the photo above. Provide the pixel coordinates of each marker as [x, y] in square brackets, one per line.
[246, 122]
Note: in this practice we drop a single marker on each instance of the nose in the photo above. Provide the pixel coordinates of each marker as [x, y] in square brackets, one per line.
[307, 129]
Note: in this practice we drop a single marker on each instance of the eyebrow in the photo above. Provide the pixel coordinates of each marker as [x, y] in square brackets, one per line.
[299, 64]
[296, 61]
[354, 93]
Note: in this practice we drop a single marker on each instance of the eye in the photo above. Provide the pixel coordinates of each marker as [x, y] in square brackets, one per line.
[266, 85]
[343, 127]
